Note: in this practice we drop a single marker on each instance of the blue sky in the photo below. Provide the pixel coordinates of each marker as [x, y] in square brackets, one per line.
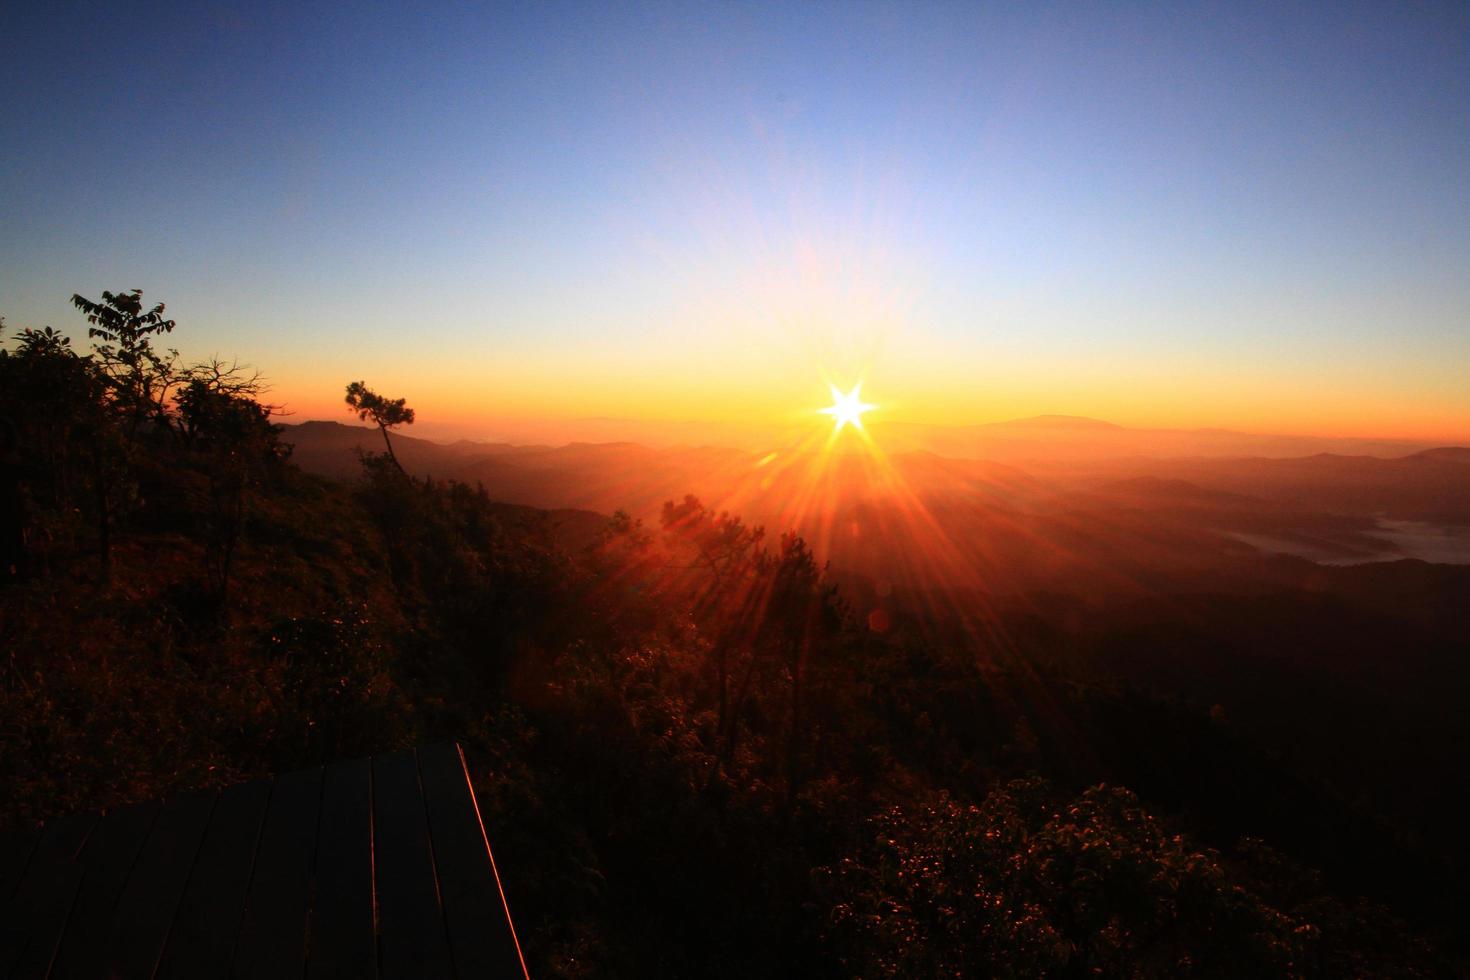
[1147, 212]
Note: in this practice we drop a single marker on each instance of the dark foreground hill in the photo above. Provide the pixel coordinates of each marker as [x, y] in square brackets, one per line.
[646, 834]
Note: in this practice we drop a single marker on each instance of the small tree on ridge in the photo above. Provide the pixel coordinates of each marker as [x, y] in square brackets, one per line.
[385, 413]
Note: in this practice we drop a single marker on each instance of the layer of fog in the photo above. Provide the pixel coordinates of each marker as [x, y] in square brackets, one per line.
[1440, 543]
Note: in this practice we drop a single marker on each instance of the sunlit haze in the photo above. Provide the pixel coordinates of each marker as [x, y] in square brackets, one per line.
[1238, 216]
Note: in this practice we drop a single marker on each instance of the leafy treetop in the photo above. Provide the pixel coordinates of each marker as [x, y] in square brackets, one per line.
[385, 413]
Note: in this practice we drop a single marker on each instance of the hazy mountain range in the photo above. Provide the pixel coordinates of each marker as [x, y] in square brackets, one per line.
[1096, 508]
[1043, 437]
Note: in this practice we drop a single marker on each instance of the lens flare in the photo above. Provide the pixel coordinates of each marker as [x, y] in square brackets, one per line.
[848, 409]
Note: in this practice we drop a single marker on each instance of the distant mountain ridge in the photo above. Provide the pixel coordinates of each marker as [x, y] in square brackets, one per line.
[1041, 439]
[1036, 439]
[1059, 439]
[789, 487]
[1455, 454]
[1056, 422]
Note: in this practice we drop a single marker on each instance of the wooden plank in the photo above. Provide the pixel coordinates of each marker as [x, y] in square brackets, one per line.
[150, 899]
[49, 916]
[411, 936]
[481, 937]
[15, 853]
[203, 938]
[36, 897]
[272, 937]
[106, 861]
[342, 941]
[376, 866]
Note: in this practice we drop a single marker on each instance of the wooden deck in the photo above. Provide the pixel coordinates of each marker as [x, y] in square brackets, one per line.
[372, 868]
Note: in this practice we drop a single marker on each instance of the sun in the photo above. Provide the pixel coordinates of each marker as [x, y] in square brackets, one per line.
[849, 408]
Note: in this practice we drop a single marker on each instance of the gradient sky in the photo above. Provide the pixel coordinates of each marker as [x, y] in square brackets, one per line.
[1249, 216]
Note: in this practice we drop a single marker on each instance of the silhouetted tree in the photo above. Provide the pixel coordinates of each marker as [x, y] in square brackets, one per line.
[385, 413]
[776, 609]
[217, 377]
[800, 614]
[724, 552]
[12, 516]
[395, 503]
[139, 376]
[12, 512]
[231, 432]
[66, 437]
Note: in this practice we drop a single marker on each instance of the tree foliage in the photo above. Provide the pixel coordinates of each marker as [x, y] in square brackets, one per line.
[140, 377]
[94, 428]
[1030, 883]
[385, 413]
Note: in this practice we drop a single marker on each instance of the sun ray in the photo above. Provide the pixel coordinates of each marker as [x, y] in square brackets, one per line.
[847, 409]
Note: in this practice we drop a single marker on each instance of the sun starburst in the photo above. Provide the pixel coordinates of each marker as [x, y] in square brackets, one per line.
[849, 408]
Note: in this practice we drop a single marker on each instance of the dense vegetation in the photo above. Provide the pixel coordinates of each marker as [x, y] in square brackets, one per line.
[693, 758]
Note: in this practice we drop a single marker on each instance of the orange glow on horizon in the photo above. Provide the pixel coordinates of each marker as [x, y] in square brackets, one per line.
[747, 408]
